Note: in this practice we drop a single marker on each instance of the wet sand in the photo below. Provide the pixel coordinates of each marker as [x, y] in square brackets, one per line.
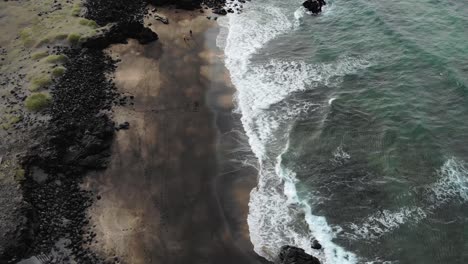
[171, 193]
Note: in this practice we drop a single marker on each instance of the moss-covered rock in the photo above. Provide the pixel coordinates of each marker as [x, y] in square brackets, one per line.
[37, 101]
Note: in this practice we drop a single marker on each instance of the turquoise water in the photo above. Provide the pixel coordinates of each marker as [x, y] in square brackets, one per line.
[399, 121]
[358, 117]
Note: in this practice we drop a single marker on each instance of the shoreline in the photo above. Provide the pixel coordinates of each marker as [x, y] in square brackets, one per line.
[132, 162]
[173, 207]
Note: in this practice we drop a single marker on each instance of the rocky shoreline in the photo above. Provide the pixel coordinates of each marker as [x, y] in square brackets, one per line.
[77, 138]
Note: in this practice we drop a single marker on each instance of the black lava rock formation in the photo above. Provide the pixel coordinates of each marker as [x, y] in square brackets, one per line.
[76, 139]
[189, 4]
[181, 4]
[316, 245]
[294, 255]
[314, 6]
[126, 17]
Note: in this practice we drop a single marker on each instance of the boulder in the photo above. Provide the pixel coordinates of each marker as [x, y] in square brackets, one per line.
[294, 255]
[314, 6]
[316, 245]
[124, 125]
[220, 11]
[180, 4]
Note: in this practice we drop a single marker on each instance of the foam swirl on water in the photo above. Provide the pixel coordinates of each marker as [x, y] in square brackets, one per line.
[452, 186]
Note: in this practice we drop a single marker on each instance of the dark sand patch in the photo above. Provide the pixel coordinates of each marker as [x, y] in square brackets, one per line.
[166, 197]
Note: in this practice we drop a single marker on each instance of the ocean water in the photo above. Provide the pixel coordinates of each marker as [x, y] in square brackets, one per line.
[359, 120]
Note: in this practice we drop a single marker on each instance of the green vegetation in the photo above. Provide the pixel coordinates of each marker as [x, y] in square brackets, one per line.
[14, 119]
[39, 55]
[20, 175]
[39, 82]
[56, 58]
[43, 41]
[10, 120]
[76, 10]
[61, 36]
[89, 23]
[73, 38]
[26, 37]
[26, 48]
[37, 101]
[58, 71]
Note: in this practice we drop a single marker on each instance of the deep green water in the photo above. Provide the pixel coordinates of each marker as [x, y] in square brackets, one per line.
[373, 126]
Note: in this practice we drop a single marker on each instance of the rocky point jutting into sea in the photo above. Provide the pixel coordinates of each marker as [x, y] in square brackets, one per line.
[54, 148]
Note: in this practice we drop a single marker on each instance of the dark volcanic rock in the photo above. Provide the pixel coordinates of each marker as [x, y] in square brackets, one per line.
[181, 4]
[76, 139]
[314, 6]
[294, 255]
[316, 245]
[115, 11]
[189, 4]
[119, 33]
[12, 221]
[77, 128]
[127, 18]
[220, 11]
[124, 125]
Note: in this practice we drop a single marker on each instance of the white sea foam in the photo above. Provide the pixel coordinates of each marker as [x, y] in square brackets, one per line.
[299, 16]
[385, 221]
[452, 186]
[340, 156]
[276, 215]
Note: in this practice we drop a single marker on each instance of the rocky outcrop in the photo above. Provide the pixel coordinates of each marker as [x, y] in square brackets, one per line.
[126, 18]
[76, 139]
[316, 245]
[12, 221]
[189, 4]
[294, 255]
[314, 6]
[119, 33]
[180, 4]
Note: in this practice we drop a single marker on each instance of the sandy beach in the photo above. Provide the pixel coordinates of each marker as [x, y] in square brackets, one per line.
[170, 194]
